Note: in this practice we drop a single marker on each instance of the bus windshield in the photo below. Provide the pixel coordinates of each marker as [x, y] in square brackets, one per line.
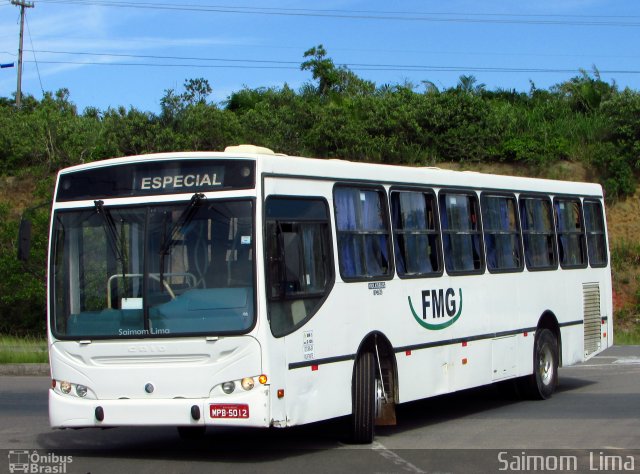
[157, 270]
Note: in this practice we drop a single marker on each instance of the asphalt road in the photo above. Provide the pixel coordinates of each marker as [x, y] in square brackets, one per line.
[594, 414]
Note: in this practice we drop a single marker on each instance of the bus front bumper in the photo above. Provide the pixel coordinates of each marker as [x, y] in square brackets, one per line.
[249, 409]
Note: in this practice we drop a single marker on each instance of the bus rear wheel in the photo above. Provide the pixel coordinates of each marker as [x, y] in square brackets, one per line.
[364, 395]
[543, 382]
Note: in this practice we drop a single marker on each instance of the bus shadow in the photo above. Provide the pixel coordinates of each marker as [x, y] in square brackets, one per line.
[568, 384]
[470, 402]
[261, 445]
[237, 445]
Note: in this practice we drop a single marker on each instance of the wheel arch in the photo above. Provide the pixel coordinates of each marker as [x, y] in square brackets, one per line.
[549, 321]
[385, 352]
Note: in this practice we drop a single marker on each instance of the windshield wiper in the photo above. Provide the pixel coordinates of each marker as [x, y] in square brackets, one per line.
[171, 237]
[112, 237]
[110, 229]
[182, 221]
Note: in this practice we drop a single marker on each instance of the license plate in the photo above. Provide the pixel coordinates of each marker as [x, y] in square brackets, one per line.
[219, 410]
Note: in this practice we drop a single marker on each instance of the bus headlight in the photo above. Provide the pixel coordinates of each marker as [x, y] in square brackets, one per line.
[247, 383]
[72, 389]
[65, 387]
[232, 386]
[81, 391]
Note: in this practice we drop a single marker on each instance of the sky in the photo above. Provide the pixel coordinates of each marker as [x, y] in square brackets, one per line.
[111, 53]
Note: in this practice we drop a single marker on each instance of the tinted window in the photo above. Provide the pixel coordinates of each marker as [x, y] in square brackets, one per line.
[538, 233]
[298, 260]
[363, 233]
[461, 236]
[571, 239]
[501, 233]
[596, 237]
[416, 236]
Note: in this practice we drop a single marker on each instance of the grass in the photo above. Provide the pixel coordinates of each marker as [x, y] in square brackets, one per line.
[627, 338]
[23, 350]
[626, 329]
[625, 267]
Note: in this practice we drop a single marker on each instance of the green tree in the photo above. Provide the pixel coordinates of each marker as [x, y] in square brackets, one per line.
[587, 92]
[196, 91]
[332, 78]
[469, 84]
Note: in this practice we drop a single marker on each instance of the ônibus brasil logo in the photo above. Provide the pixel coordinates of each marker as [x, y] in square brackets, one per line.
[439, 308]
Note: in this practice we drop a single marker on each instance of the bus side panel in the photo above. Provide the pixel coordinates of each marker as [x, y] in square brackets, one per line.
[319, 392]
[572, 344]
[525, 353]
[423, 372]
[321, 353]
[470, 364]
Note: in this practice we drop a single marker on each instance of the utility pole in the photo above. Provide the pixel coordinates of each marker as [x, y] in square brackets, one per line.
[22, 4]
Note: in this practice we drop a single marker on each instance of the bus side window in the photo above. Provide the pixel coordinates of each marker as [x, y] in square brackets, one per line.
[461, 235]
[416, 234]
[501, 233]
[538, 233]
[596, 238]
[298, 260]
[363, 233]
[571, 239]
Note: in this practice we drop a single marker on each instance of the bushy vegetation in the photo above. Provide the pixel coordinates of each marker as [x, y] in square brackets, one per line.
[625, 266]
[338, 114]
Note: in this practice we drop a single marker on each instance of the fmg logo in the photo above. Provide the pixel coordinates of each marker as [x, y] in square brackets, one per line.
[440, 308]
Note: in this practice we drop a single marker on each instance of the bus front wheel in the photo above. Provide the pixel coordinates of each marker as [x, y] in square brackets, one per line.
[363, 396]
[544, 380]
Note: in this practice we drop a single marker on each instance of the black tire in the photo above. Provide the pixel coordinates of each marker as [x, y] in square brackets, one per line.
[363, 399]
[192, 432]
[541, 384]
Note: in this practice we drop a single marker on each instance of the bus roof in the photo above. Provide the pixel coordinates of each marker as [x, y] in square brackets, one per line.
[271, 163]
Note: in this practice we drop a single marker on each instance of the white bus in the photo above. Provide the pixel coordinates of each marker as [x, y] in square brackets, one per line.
[246, 288]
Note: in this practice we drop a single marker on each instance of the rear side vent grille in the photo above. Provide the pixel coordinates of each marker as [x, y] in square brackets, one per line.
[592, 319]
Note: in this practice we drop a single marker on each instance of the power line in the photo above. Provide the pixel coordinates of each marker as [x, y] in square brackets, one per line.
[493, 18]
[152, 56]
[34, 56]
[380, 12]
[249, 63]
[238, 66]
[354, 67]
[465, 53]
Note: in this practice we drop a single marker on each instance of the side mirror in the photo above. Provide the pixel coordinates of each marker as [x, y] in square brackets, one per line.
[24, 240]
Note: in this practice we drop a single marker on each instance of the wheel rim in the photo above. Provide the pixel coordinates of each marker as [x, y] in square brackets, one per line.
[379, 398]
[545, 365]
